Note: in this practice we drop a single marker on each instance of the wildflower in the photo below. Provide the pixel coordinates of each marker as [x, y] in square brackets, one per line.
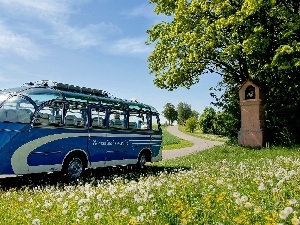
[98, 216]
[79, 214]
[238, 201]
[248, 204]
[220, 181]
[83, 201]
[65, 205]
[288, 210]
[261, 187]
[152, 212]
[21, 199]
[295, 221]
[36, 221]
[124, 212]
[85, 208]
[140, 218]
[47, 204]
[28, 215]
[244, 198]
[236, 194]
[64, 211]
[170, 192]
[257, 210]
[99, 197]
[292, 201]
[140, 208]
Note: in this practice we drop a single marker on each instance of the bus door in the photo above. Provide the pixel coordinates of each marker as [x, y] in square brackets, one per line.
[117, 138]
[156, 136]
[97, 139]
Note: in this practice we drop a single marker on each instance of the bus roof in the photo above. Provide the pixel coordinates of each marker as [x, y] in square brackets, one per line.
[42, 91]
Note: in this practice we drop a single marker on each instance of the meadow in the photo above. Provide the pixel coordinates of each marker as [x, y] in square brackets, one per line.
[224, 185]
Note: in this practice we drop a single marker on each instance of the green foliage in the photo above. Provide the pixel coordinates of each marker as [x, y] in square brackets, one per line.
[184, 111]
[226, 124]
[239, 40]
[191, 124]
[170, 113]
[206, 120]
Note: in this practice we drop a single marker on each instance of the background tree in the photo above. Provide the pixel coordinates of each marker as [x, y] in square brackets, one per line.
[191, 124]
[206, 120]
[184, 111]
[195, 114]
[238, 40]
[170, 113]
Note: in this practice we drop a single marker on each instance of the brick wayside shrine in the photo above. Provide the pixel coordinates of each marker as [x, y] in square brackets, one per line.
[252, 132]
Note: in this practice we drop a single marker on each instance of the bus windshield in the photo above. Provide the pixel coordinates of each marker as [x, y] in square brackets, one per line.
[16, 110]
[40, 95]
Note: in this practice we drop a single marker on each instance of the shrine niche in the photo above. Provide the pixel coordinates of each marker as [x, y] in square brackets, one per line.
[252, 99]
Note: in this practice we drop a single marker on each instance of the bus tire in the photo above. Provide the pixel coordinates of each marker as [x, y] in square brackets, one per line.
[73, 168]
[142, 161]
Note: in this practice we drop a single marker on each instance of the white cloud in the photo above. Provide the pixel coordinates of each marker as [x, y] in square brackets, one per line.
[89, 36]
[17, 44]
[131, 46]
[142, 11]
[53, 23]
[47, 10]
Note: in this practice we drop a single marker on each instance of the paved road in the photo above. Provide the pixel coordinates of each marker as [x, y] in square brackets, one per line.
[199, 144]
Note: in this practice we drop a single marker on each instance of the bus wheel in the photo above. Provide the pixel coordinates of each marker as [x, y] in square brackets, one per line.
[74, 168]
[141, 161]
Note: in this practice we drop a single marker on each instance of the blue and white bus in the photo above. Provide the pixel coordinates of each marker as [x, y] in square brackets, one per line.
[47, 126]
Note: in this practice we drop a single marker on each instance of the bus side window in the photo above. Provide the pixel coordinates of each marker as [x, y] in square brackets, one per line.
[116, 119]
[138, 120]
[98, 118]
[76, 116]
[44, 117]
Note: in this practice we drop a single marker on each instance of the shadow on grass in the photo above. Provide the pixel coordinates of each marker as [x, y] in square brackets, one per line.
[91, 176]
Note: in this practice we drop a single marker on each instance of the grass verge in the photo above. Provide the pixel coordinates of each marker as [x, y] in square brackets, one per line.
[172, 142]
[199, 134]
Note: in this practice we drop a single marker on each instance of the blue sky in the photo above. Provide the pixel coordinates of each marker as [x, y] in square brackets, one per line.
[91, 43]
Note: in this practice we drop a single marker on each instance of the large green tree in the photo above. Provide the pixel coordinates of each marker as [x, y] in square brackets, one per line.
[170, 113]
[238, 39]
[184, 111]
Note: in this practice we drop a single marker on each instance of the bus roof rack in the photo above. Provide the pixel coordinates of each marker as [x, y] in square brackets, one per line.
[68, 87]
[82, 90]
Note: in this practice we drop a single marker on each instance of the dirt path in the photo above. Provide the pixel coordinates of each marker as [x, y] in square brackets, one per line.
[199, 144]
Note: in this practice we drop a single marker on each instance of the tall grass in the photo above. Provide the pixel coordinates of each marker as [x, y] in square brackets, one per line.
[224, 185]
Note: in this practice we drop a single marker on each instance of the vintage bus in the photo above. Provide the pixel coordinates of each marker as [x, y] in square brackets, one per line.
[47, 126]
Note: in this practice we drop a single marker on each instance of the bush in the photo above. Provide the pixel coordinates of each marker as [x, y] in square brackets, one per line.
[191, 124]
